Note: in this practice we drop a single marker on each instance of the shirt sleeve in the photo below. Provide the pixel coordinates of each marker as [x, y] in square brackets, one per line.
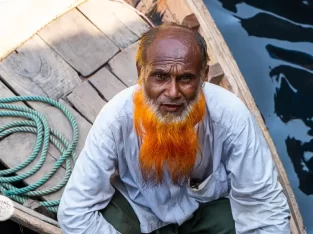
[89, 189]
[257, 200]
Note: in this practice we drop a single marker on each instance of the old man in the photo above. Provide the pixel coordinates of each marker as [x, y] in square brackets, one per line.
[174, 154]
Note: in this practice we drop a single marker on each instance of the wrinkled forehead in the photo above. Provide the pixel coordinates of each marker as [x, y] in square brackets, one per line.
[176, 46]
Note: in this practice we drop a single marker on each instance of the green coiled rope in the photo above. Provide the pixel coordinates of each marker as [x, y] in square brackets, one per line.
[36, 123]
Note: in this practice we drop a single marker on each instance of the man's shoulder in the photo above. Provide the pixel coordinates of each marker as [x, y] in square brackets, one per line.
[224, 107]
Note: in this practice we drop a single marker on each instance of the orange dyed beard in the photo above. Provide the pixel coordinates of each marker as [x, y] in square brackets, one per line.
[167, 142]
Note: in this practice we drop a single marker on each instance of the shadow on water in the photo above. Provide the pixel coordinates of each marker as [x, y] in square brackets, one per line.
[292, 56]
[294, 95]
[279, 35]
[269, 26]
[294, 10]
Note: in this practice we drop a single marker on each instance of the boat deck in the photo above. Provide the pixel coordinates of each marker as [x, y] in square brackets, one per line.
[86, 56]
[81, 59]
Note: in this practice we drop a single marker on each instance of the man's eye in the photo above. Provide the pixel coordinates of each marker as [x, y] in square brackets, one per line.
[160, 76]
[185, 78]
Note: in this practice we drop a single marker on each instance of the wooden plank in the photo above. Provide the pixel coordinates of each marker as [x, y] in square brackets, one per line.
[106, 83]
[22, 19]
[79, 42]
[87, 101]
[98, 12]
[6, 92]
[209, 43]
[33, 223]
[123, 65]
[37, 70]
[239, 86]
[35, 214]
[128, 17]
[16, 148]
[179, 9]
[168, 16]
[215, 74]
[83, 126]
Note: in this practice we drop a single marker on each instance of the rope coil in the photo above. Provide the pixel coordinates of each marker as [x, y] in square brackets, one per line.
[37, 124]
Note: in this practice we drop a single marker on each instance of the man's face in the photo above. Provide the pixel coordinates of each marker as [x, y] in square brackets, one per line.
[172, 73]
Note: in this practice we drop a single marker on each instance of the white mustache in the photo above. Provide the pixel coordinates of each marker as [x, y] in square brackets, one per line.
[171, 102]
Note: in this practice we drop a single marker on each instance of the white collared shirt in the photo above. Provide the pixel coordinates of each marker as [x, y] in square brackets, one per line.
[236, 163]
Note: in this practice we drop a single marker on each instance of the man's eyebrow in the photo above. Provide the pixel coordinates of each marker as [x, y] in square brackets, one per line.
[159, 70]
[188, 73]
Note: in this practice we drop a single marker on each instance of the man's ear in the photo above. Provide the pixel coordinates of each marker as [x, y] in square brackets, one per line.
[206, 73]
[138, 69]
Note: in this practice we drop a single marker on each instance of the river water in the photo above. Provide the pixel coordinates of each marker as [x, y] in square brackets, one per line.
[272, 43]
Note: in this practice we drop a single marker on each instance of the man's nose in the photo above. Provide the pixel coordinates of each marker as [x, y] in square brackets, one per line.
[172, 90]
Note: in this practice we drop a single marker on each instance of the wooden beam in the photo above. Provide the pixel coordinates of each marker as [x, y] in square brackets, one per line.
[240, 88]
[34, 223]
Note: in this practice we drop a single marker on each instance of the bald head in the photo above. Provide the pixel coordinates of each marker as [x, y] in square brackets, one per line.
[173, 35]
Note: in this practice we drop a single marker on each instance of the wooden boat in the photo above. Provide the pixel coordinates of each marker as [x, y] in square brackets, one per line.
[93, 69]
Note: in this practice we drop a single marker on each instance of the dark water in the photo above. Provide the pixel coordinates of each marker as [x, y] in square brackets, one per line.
[272, 43]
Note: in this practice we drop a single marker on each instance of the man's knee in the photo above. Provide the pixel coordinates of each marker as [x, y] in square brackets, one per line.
[217, 217]
[121, 216]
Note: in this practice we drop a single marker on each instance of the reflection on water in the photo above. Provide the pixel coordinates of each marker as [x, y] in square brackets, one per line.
[272, 42]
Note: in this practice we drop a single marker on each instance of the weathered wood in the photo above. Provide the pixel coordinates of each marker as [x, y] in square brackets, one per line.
[106, 83]
[35, 214]
[99, 13]
[21, 20]
[123, 65]
[239, 86]
[133, 3]
[87, 101]
[179, 9]
[128, 17]
[36, 69]
[34, 223]
[16, 148]
[225, 84]
[6, 92]
[83, 126]
[146, 7]
[215, 73]
[168, 16]
[79, 42]
[209, 43]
